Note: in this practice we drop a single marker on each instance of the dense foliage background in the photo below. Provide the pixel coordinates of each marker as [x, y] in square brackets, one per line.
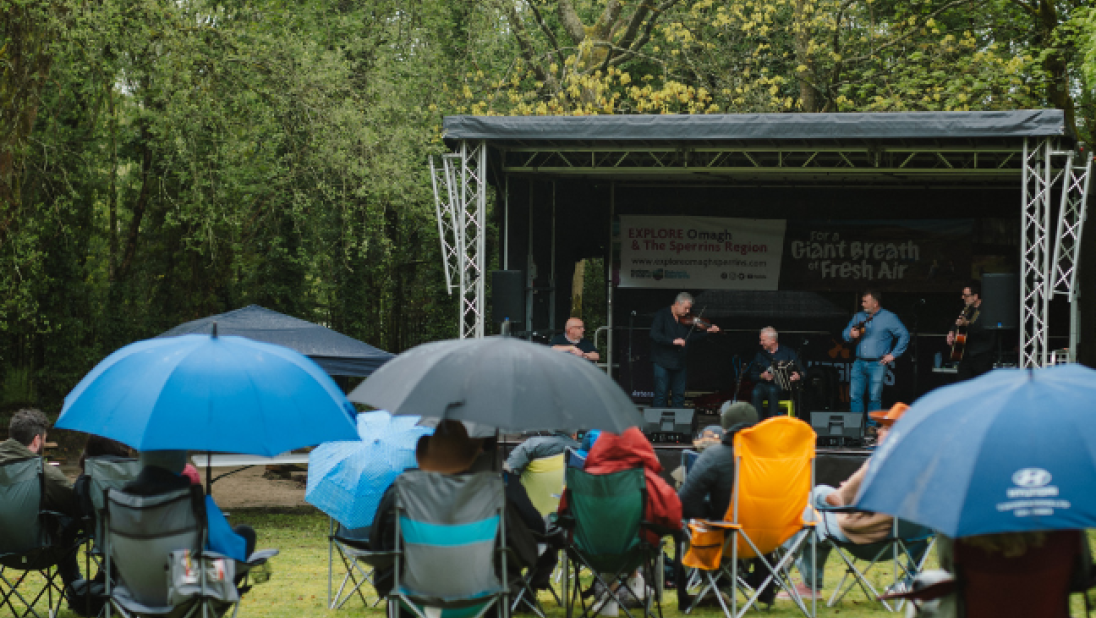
[163, 161]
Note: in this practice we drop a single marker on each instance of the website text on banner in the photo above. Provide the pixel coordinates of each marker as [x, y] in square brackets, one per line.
[700, 253]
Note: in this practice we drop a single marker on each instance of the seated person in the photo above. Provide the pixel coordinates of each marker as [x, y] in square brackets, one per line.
[1021, 574]
[451, 451]
[707, 489]
[573, 342]
[98, 447]
[860, 528]
[762, 374]
[27, 431]
[709, 436]
[162, 472]
[538, 447]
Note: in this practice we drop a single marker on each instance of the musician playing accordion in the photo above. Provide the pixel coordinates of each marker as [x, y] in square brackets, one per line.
[775, 370]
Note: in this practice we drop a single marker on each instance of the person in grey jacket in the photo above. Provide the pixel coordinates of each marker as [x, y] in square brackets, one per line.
[538, 447]
[707, 489]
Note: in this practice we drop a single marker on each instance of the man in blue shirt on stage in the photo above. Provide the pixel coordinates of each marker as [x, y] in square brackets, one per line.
[880, 338]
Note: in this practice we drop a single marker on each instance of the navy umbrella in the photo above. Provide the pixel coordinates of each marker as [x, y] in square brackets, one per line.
[500, 382]
[1011, 451]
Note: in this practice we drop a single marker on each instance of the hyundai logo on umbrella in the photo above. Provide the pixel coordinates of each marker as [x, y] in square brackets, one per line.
[1031, 477]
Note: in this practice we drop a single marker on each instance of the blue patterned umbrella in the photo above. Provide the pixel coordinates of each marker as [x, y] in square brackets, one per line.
[347, 479]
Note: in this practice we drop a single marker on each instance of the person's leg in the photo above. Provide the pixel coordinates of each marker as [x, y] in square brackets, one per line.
[759, 400]
[813, 571]
[876, 373]
[677, 385]
[662, 382]
[857, 382]
[964, 371]
[773, 395]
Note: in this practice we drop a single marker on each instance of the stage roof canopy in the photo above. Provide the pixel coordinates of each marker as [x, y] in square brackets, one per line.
[875, 148]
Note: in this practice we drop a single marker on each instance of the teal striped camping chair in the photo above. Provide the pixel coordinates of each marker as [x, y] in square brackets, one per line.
[450, 532]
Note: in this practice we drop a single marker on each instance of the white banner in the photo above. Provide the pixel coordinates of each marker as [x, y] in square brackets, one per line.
[700, 252]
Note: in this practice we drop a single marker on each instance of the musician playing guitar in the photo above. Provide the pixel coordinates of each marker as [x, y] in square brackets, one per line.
[972, 344]
[771, 356]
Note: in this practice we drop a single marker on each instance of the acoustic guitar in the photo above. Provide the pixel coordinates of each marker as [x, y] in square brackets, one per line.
[960, 344]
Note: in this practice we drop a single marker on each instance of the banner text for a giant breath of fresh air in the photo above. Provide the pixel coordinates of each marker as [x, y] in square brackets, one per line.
[700, 252]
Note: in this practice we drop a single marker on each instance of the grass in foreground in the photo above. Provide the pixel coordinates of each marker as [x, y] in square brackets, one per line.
[298, 586]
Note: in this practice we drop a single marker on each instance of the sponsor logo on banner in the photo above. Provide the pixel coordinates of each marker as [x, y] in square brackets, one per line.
[1033, 495]
[701, 252]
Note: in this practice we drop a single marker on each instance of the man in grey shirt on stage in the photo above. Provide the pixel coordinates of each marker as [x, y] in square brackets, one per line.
[880, 338]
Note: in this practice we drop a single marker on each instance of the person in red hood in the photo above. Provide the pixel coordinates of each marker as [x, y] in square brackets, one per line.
[613, 453]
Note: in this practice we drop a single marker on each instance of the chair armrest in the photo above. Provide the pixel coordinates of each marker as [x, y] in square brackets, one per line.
[924, 593]
[725, 525]
[840, 509]
[261, 556]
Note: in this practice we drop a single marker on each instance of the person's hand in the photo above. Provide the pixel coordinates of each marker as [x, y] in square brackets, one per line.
[795, 377]
[833, 500]
[951, 338]
[679, 341]
[854, 333]
[962, 321]
[713, 329]
[577, 352]
[886, 360]
[766, 376]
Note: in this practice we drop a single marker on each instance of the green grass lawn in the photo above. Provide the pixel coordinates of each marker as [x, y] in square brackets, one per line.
[298, 586]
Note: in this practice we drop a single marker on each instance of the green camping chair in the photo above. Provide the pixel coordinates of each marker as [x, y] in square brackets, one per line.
[604, 513]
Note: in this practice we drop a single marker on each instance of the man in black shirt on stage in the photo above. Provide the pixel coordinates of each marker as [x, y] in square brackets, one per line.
[669, 344]
[761, 371]
[980, 341]
[573, 342]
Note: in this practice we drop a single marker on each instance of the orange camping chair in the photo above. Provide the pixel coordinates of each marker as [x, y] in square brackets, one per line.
[774, 473]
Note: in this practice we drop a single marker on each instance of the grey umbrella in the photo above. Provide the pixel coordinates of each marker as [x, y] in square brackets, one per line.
[506, 383]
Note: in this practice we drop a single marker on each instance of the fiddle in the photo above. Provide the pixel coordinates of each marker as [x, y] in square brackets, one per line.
[695, 321]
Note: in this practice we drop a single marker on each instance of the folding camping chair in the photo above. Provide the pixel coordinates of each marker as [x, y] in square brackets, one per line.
[103, 473]
[688, 459]
[774, 472]
[358, 560]
[450, 529]
[157, 546]
[605, 515]
[27, 539]
[907, 549]
[543, 482]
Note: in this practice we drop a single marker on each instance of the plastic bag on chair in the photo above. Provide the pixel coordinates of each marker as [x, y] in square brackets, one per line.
[189, 574]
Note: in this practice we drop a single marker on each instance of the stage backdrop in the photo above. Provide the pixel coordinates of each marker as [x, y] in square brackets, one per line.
[713, 253]
[901, 256]
[700, 252]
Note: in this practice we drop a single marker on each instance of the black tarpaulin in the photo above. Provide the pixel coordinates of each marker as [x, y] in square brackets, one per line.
[759, 127]
[336, 353]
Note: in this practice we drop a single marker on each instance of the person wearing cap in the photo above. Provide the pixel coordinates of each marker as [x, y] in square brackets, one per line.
[161, 473]
[707, 489]
[859, 527]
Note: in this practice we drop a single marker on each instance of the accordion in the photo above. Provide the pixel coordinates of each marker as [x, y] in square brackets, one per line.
[782, 374]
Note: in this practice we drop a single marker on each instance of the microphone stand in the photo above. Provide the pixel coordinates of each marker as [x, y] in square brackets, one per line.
[913, 341]
[631, 373]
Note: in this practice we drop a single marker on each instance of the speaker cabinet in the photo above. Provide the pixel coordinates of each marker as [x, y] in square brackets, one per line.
[507, 296]
[837, 428]
[669, 424]
[1000, 307]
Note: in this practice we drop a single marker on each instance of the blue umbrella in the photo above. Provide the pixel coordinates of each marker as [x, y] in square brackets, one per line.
[347, 479]
[210, 393]
[1011, 451]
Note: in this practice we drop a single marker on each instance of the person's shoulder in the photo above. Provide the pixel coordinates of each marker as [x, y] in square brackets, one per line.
[559, 340]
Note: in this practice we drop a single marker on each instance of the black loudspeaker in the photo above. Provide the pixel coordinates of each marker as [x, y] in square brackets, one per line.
[837, 428]
[1000, 307]
[507, 296]
[669, 424]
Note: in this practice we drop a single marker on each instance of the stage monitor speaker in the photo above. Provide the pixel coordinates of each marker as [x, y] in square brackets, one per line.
[507, 296]
[669, 424]
[1000, 308]
[837, 428]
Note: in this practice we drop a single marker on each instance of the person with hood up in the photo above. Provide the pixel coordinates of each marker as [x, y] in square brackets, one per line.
[707, 490]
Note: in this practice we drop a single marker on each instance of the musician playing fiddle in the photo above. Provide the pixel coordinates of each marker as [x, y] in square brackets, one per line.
[763, 370]
[673, 331]
[979, 343]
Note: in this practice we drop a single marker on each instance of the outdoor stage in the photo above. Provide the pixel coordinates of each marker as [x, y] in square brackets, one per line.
[769, 220]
